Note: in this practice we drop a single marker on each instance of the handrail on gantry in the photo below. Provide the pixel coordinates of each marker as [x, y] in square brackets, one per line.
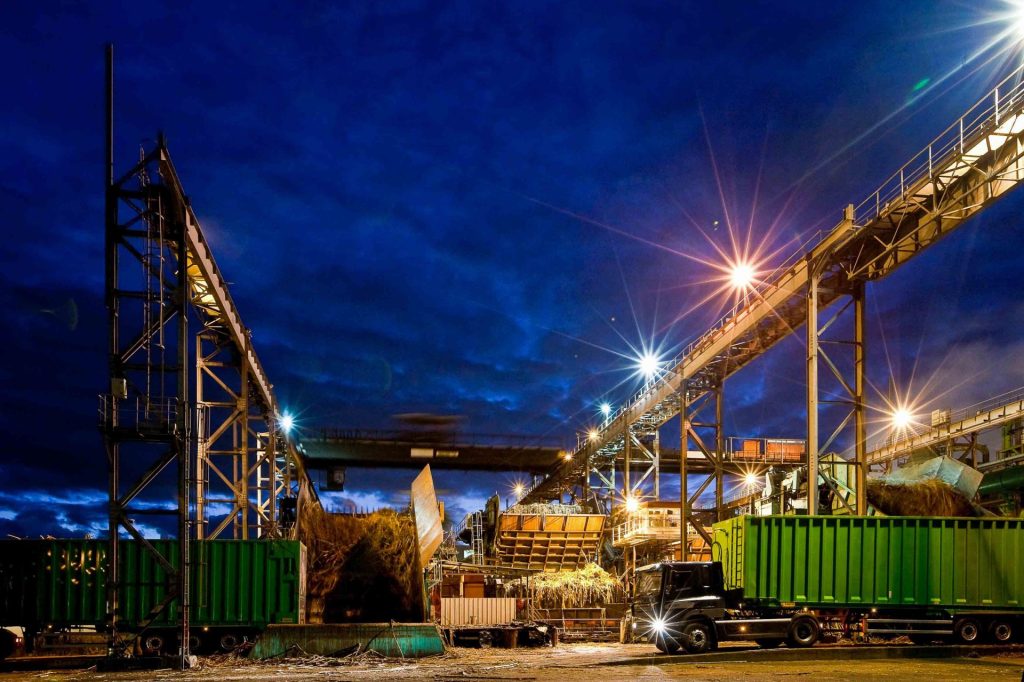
[947, 157]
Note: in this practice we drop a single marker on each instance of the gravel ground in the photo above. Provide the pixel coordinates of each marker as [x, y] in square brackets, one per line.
[563, 663]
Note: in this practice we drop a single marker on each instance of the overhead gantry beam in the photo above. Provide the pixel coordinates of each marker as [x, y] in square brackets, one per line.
[966, 168]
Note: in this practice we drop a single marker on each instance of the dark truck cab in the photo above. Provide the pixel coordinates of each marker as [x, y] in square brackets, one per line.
[685, 605]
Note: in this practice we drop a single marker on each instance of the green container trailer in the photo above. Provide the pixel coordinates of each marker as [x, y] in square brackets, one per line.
[238, 587]
[778, 579]
[880, 561]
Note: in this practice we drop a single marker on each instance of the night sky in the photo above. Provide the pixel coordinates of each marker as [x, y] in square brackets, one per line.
[483, 209]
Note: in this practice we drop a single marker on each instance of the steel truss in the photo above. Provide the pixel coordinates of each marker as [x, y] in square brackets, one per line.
[976, 160]
[225, 446]
[708, 436]
[237, 459]
[146, 416]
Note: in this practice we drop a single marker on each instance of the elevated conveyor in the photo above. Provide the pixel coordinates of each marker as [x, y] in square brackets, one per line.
[961, 172]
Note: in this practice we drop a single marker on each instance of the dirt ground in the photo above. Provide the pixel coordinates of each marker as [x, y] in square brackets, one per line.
[563, 663]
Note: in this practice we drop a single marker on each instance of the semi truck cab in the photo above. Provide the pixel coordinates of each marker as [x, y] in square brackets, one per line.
[684, 604]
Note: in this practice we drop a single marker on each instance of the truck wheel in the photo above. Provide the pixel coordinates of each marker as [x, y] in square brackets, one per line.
[486, 639]
[967, 630]
[1001, 631]
[666, 645]
[768, 643]
[803, 632]
[697, 638]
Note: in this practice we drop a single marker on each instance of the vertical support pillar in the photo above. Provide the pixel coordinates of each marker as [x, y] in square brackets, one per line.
[719, 450]
[627, 444]
[586, 477]
[684, 495]
[184, 445]
[112, 419]
[244, 440]
[657, 464]
[812, 387]
[859, 416]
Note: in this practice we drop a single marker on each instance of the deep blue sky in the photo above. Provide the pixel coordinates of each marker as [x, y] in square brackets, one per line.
[474, 208]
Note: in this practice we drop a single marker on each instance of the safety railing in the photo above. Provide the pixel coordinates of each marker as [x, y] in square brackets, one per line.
[139, 413]
[951, 417]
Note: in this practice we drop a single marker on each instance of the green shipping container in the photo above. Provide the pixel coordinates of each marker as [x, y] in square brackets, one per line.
[240, 583]
[873, 561]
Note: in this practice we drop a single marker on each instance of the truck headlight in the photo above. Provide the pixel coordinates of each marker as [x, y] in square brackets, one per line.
[658, 626]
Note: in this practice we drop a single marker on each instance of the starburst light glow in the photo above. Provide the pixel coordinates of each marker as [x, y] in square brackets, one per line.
[741, 276]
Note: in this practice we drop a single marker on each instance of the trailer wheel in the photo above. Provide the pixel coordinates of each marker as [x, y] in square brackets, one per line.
[228, 642]
[697, 638]
[967, 630]
[153, 644]
[486, 639]
[803, 632]
[768, 643]
[1001, 631]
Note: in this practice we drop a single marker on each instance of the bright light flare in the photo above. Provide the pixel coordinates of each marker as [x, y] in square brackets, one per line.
[632, 504]
[741, 276]
[287, 422]
[518, 489]
[902, 419]
[606, 409]
[593, 435]
[648, 365]
[567, 456]
[750, 479]
[658, 626]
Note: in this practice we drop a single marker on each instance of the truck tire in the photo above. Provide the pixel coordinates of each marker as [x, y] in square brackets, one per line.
[967, 630]
[1001, 631]
[697, 637]
[768, 643]
[666, 645]
[803, 632]
[486, 639]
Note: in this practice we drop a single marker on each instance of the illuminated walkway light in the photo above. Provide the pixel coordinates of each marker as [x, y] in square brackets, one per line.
[649, 364]
[741, 276]
[901, 418]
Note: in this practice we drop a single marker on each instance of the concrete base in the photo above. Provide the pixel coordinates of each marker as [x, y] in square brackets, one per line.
[394, 640]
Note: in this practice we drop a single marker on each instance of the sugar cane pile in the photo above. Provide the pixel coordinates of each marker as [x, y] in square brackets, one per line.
[587, 586]
[925, 498]
[360, 569]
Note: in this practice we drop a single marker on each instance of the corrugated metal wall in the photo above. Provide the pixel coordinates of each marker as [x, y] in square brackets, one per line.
[882, 561]
[234, 582]
[477, 611]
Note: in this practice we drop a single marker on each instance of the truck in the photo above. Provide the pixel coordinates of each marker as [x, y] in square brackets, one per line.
[793, 579]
